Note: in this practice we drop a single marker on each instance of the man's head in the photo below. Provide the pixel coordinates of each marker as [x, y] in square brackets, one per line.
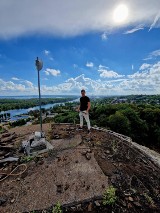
[83, 92]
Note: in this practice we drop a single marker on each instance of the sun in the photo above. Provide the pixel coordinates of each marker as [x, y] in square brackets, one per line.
[120, 13]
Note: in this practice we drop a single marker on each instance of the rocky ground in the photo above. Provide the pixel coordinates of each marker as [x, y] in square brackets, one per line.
[77, 172]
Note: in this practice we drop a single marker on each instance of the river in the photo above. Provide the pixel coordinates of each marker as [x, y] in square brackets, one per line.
[15, 112]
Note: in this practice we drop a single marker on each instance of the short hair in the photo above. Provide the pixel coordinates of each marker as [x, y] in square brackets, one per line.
[82, 90]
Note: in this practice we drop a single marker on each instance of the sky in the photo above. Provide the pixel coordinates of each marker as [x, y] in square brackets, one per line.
[83, 44]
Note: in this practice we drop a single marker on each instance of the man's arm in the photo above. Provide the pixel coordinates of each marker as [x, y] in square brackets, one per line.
[89, 106]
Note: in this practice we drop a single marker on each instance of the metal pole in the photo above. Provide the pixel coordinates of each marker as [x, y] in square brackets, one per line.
[40, 103]
[39, 67]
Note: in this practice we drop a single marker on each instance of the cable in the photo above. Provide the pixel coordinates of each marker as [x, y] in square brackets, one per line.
[10, 174]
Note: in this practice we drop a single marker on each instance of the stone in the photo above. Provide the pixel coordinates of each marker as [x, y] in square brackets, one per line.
[103, 186]
[90, 206]
[137, 204]
[129, 205]
[59, 188]
[12, 201]
[130, 199]
[73, 208]
[88, 187]
[84, 152]
[79, 207]
[2, 200]
[97, 203]
[66, 186]
[88, 156]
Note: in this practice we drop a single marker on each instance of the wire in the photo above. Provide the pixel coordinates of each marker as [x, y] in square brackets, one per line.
[10, 174]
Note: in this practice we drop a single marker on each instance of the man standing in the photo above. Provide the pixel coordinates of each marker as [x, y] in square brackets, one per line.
[84, 110]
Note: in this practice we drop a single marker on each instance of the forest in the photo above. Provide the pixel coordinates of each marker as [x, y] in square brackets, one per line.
[140, 121]
[9, 104]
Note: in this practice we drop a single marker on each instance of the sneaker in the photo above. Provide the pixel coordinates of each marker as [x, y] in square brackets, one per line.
[80, 128]
[89, 131]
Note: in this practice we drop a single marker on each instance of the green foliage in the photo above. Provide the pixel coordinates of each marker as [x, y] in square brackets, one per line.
[7, 104]
[67, 117]
[26, 159]
[119, 123]
[109, 196]
[19, 122]
[57, 208]
[149, 199]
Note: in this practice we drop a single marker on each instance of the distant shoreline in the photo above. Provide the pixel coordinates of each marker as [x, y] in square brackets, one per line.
[35, 96]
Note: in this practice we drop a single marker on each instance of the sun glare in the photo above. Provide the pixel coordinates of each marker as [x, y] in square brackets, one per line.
[120, 13]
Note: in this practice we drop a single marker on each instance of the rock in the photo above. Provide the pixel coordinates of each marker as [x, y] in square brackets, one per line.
[2, 200]
[103, 186]
[73, 208]
[97, 203]
[84, 152]
[129, 205]
[107, 152]
[90, 207]
[79, 208]
[88, 156]
[12, 201]
[88, 139]
[9, 159]
[103, 156]
[130, 199]
[127, 194]
[88, 187]
[59, 188]
[40, 162]
[66, 186]
[137, 204]
[123, 203]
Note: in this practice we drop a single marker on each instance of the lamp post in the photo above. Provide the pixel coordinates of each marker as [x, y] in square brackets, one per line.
[39, 65]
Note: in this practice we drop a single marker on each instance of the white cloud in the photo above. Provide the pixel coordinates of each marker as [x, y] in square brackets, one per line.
[105, 73]
[15, 79]
[145, 81]
[10, 86]
[153, 55]
[133, 30]
[144, 66]
[29, 84]
[46, 52]
[75, 66]
[104, 36]
[53, 72]
[155, 21]
[23, 17]
[89, 64]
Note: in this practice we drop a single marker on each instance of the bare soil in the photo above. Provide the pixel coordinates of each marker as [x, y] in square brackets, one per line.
[78, 171]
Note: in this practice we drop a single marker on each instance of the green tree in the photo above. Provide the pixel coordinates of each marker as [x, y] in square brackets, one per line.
[119, 123]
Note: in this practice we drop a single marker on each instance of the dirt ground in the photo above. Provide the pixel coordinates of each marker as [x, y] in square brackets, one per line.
[78, 171]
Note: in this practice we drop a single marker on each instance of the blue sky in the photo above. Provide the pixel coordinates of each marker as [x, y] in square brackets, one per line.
[81, 45]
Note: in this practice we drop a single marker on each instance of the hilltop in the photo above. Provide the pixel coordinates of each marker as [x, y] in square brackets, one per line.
[79, 170]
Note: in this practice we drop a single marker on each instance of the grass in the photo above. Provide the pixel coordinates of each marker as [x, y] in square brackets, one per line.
[109, 196]
[57, 208]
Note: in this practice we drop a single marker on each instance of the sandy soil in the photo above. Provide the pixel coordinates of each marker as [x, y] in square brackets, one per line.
[78, 170]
